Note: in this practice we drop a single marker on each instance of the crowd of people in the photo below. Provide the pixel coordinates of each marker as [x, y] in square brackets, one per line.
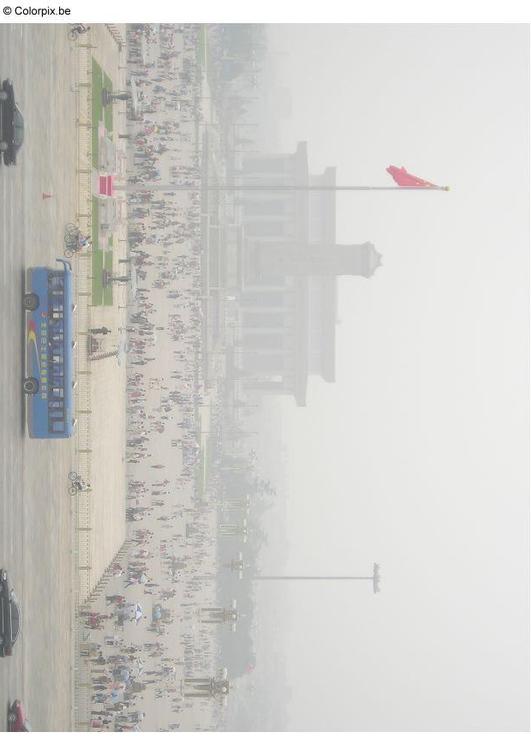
[143, 634]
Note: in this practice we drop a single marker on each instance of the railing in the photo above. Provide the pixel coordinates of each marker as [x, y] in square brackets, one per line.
[116, 34]
[83, 268]
[85, 589]
[81, 505]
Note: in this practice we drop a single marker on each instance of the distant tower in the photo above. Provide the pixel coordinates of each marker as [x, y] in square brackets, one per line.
[315, 259]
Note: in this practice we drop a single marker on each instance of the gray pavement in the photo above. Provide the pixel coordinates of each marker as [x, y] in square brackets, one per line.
[35, 509]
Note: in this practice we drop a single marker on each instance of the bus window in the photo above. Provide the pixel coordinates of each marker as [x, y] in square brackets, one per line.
[56, 281]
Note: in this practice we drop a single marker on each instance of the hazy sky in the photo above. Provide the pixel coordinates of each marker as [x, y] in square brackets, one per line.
[417, 457]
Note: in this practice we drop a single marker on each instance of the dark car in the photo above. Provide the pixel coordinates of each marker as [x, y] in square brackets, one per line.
[9, 616]
[11, 124]
[16, 718]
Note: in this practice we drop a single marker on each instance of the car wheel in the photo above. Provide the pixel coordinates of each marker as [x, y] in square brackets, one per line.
[30, 386]
[30, 302]
[3, 146]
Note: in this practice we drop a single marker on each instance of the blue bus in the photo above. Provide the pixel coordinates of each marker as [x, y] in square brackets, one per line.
[49, 375]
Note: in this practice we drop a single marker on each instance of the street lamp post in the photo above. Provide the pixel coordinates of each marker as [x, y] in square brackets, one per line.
[375, 578]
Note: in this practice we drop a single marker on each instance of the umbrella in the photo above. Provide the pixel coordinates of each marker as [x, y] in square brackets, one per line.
[123, 348]
[125, 675]
[128, 611]
[115, 696]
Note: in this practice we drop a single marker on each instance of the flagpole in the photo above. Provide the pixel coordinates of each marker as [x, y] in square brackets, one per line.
[136, 187]
[330, 188]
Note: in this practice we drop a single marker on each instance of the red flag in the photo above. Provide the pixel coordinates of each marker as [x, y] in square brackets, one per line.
[402, 177]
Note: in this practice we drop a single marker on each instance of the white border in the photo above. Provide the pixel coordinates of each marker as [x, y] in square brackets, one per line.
[280, 11]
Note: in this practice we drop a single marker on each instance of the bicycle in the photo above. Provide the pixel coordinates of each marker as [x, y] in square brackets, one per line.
[74, 240]
[77, 484]
[77, 30]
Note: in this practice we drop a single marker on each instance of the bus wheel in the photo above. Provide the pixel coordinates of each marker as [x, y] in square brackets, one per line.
[31, 386]
[30, 301]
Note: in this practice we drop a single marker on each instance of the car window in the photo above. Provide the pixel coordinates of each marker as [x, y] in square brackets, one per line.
[18, 123]
[15, 621]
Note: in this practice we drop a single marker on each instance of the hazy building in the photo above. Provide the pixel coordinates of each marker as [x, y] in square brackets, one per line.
[289, 262]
